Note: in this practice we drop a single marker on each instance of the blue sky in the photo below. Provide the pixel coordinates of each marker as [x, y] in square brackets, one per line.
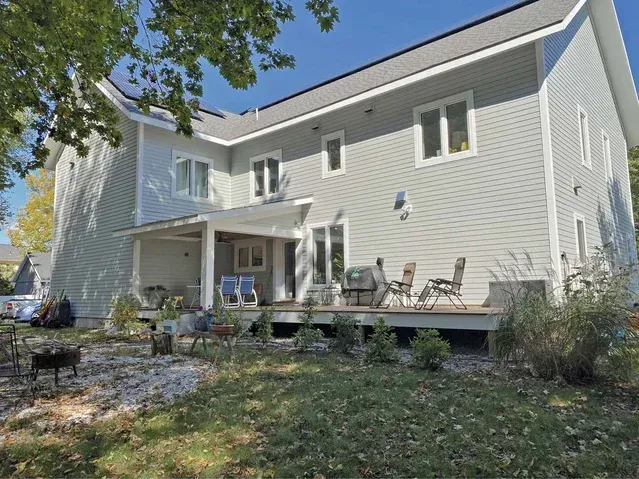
[368, 29]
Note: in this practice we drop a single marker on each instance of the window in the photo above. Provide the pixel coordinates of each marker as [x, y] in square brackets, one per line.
[333, 154]
[444, 130]
[329, 254]
[584, 139]
[191, 176]
[580, 236]
[249, 255]
[606, 155]
[266, 175]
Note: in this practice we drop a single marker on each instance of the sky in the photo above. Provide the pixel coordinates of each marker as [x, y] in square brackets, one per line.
[368, 30]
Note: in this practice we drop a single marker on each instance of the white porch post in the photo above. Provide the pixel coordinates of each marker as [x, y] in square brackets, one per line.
[208, 262]
[135, 284]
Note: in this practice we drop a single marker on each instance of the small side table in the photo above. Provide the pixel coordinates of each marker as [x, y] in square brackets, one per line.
[212, 337]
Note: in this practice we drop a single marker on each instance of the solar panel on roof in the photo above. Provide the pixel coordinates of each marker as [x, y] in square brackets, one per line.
[134, 92]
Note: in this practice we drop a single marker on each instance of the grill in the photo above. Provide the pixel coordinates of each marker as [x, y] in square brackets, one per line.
[364, 280]
[55, 358]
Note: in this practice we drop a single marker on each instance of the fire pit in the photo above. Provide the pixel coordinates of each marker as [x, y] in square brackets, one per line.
[55, 359]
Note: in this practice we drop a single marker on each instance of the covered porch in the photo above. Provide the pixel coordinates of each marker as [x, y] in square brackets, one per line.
[187, 256]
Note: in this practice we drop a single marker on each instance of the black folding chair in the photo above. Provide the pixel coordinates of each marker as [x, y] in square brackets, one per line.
[435, 288]
[397, 289]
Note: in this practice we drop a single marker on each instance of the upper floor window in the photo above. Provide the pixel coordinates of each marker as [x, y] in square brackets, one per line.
[606, 155]
[266, 175]
[584, 138]
[333, 154]
[445, 130]
[191, 176]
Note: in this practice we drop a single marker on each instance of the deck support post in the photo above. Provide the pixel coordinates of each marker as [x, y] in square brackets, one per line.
[208, 262]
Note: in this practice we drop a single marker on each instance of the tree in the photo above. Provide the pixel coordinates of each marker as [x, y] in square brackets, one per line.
[52, 53]
[633, 164]
[34, 228]
[13, 154]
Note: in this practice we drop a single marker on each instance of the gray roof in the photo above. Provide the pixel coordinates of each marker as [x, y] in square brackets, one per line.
[513, 22]
[9, 254]
[42, 264]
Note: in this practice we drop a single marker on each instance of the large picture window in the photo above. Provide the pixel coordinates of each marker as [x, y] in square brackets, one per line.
[266, 175]
[191, 176]
[445, 130]
[328, 254]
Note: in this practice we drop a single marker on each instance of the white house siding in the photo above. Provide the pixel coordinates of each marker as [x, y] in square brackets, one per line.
[176, 264]
[157, 202]
[478, 207]
[94, 196]
[576, 76]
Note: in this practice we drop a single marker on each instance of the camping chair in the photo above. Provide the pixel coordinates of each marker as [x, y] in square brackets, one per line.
[246, 290]
[435, 288]
[17, 381]
[229, 292]
[398, 289]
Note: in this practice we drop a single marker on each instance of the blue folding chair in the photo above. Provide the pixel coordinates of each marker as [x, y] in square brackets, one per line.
[246, 289]
[229, 292]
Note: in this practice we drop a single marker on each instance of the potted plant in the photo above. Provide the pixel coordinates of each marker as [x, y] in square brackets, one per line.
[155, 295]
[167, 313]
[222, 326]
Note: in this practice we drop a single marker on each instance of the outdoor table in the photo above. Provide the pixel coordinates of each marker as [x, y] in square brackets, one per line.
[212, 336]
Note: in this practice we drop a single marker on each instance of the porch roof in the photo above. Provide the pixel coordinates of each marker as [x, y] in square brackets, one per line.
[230, 219]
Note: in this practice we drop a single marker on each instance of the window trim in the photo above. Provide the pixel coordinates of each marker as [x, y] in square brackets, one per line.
[336, 135]
[249, 243]
[441, 104]
[183, 155]
[580, 217]
[587, 161]
[605, 146]
[311, 251]
[264, 157]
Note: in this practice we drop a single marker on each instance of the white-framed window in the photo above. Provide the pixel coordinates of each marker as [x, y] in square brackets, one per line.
[605, 141]
[333, 154]
[581, 238]
[250, 255]
[191, 177]
[445, 130]
[584, 138]
[328, 252]
[266, 175]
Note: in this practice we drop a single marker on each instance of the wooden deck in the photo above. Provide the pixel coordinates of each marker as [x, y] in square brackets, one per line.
[475, 318]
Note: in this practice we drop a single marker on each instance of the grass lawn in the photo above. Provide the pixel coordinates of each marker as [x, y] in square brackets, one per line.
[284, 414]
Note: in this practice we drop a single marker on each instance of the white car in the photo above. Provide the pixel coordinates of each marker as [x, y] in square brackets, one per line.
[8, 308]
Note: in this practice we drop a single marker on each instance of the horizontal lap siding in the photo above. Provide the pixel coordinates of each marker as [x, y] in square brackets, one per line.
[478, 207]
[93, 198]
[576, 76]
[157, 202]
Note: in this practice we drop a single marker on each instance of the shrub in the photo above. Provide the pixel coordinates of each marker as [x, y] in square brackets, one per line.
[574, 335]
[264, 326]
[168, 312]
[382, 347]
[430, 351]
[236, 318]
[307, 334]
[347, 335]
[124, 311]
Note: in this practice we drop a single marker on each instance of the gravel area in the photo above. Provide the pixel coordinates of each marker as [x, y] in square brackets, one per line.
[112, 379]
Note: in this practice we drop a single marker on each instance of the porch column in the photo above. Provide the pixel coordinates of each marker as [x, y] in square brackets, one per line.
[208, 262]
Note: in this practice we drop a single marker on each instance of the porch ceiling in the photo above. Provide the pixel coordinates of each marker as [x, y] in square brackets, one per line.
[233, 220]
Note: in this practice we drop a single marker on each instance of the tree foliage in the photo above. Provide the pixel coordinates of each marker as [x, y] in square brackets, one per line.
[53, 52]
[33, 231]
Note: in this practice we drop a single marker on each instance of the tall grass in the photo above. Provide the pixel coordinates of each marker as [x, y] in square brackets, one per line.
[577, 332]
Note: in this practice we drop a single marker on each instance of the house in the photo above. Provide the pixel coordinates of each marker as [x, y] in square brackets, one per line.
[9, 256]
[507, 134]
[33, 276]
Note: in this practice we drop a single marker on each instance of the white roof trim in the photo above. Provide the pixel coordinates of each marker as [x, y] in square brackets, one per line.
[230, 216]
[615, 57]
